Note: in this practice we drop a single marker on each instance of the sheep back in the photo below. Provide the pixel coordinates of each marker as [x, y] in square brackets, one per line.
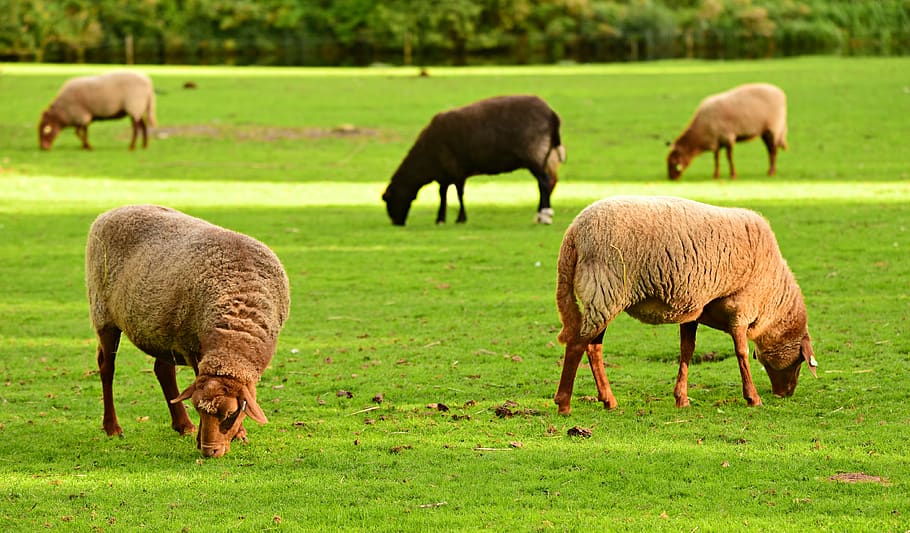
[185, 290]
[111, 95]
[664, 260]
[744, 112]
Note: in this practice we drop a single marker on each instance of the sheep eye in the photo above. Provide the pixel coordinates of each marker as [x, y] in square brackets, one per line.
[229, 421]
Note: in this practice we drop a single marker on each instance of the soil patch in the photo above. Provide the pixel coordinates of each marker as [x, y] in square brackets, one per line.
[857, 477]
[264, 133]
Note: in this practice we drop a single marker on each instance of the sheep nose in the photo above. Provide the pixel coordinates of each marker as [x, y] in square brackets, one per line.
[209, 450]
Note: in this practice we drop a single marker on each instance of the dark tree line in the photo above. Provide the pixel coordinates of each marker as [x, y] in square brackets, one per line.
[361, 32]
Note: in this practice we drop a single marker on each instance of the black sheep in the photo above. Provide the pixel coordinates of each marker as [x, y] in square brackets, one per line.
[491, 136]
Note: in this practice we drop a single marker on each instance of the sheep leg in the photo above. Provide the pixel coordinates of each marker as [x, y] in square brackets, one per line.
[82, 133]
[441, 214]
[768, 138]
[167, 378]
[108, 342]
[563, 399]
[459, 189]
[545, 188]
[686, 349]
[596, 360]
[716, 163]
[730, 161]
[135, 124]
[741, 345]
[145, 133]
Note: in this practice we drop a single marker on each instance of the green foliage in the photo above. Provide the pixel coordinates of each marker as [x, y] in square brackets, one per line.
[458, 32]
[462, 315]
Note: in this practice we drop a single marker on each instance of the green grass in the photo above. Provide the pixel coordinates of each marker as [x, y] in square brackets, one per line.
[460, 315]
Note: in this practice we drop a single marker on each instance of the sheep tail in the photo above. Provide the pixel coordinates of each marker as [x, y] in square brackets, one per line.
[555, 139]
[153, 121]
[569, 313]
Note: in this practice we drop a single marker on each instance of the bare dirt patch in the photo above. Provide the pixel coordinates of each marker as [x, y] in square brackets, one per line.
[857, 477]
[265, 133]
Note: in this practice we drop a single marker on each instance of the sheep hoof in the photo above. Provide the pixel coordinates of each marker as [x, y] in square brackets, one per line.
[544, 216]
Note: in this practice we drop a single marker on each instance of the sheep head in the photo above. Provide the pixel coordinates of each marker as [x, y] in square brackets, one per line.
[397, 204]
[222, 402]
[48, 128]
[677, 161]
[783, 366]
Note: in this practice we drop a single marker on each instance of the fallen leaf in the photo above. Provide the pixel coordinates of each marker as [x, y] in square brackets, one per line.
[516, 444]
[345, 394]
[378, 398]
[438, 407]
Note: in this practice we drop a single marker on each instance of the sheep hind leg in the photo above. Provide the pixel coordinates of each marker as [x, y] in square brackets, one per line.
[135, 124]
[771, 145]
[108, 342]
[730, 161]
[686, 349]
[459, 189]
[563, 399]
[545, 187]
[145, 133]
[741, 345]
[167, 378]
[596, 360]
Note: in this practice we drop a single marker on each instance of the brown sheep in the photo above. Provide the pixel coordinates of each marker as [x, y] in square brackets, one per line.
[669, 260]
[491, 136]
[190, 293]
[105, 97]
[722, 120]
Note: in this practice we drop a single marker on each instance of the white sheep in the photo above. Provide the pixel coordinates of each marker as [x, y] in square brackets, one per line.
[190, 293]
[108, 96]
[667, 260]
[722, 120]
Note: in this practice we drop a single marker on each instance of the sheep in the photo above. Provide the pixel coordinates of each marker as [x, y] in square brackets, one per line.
[721, 120]
[666, 260]
[186, 292]
[491, 136]
[108, 96]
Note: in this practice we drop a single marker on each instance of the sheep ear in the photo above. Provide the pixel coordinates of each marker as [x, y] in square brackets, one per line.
[252, 408]
[186, 394]
[805, 348]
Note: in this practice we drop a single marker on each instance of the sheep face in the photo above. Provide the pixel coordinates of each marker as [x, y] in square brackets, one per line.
[48, 128]
[397, 204]
[222, 403]
[676, 163]
[785, 377]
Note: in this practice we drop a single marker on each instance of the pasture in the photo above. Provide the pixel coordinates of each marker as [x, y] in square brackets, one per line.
[412, 387]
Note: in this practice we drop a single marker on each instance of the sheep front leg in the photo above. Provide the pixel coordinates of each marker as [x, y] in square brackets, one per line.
[686, 349]
[82, 133]
[730, 160]
[145, 133]
[563, 399]
[108, 342]
[167, 378]
[596, 360]
[741, 345]
[545, 188]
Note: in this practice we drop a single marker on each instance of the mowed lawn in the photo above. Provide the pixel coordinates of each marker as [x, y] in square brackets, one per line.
[412, 387]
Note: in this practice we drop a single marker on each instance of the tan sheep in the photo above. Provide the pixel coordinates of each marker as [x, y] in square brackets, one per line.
[667, 260]
[105, 97]
[722, 120]
[190, 293]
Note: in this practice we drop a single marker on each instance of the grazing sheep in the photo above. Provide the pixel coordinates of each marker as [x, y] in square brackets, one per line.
[669, 260]
[722, 120]
[490, 136]
[190, 293]
[105, 97]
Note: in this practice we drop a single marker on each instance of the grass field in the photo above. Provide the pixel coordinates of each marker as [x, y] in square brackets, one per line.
[460, 315]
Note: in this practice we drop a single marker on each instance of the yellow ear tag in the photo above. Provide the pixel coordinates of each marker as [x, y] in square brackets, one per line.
[678, 167]
[47, 129]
